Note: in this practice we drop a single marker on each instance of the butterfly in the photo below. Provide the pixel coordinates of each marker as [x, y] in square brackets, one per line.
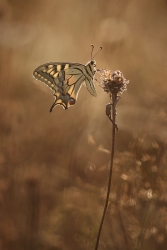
[66, 79]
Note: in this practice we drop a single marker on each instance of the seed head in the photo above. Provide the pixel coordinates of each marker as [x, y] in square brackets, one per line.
[113, 82]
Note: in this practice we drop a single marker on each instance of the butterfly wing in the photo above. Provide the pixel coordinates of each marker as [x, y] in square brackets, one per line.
[64, 78]
[89, 72]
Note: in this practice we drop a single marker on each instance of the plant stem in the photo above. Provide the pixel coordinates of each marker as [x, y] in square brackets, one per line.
[113, 97]
[139, 242]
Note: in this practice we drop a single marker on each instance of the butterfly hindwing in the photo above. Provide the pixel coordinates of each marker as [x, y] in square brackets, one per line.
[66, 80]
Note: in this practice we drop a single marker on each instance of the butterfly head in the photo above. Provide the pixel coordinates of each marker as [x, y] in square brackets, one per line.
[92, 64]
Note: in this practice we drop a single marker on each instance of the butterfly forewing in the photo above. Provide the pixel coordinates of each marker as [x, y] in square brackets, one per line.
[66, 80]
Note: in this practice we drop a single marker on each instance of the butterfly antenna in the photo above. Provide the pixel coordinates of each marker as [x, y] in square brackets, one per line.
[97, 52]
[92, 50]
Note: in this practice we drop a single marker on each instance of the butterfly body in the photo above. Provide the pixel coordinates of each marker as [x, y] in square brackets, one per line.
[66, 80]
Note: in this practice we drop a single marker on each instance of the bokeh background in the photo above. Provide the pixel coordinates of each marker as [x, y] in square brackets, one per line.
[54, 166]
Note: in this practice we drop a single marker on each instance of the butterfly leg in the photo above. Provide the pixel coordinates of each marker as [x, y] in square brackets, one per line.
[108, 113]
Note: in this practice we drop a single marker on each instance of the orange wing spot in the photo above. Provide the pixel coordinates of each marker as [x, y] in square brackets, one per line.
[71, 101]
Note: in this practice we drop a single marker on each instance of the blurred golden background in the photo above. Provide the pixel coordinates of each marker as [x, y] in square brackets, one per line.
[54, 166]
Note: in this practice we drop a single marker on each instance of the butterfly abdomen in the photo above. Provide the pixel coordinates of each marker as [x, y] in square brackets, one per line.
[90, 71]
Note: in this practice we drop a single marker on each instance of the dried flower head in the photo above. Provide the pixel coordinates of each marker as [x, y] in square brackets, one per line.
[113, 82]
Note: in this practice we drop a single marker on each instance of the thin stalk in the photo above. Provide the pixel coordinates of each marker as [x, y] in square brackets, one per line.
[123, 228]
[113, 97]
[139, 242]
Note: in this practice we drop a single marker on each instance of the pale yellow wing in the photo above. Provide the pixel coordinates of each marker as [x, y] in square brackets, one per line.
[64, 78]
